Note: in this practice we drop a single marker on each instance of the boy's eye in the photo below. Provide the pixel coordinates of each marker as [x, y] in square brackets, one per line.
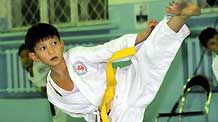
[54, 43]
[42, 48]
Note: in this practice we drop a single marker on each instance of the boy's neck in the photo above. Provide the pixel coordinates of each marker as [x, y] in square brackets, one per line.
[59, 70]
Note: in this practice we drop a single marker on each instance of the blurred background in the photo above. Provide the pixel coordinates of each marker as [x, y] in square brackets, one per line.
[92, 22]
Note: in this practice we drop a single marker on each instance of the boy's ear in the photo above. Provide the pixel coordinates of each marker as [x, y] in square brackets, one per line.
[33, 57]
[62, 43]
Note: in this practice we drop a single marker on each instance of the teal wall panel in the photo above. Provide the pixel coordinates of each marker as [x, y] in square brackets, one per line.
[123, 17]
[24, 110]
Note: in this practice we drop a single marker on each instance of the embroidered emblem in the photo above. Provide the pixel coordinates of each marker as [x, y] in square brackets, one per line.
[79, 68]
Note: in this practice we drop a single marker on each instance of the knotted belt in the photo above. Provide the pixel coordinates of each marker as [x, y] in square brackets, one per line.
[111, 81]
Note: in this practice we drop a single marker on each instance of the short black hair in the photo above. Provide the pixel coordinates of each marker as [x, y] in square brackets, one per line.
[21, 48]
[38, 33]
[206, 35]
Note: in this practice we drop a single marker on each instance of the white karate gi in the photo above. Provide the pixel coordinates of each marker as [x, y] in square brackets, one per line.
[136, 85]
[40, 72]
[215, 67]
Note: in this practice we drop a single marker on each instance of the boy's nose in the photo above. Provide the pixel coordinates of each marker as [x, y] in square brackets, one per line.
[50, 51]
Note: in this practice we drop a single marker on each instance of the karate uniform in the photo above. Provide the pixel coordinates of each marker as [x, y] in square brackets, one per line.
[136, 86]
[215, 67]
[39, 79]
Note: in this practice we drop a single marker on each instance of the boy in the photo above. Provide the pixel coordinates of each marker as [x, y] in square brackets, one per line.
[37, 74]
[209, 39]
[78, 80]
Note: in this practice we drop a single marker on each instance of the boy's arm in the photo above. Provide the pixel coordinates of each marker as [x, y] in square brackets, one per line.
[102, 53]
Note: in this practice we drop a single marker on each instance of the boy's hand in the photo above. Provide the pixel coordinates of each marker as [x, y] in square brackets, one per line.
[144, 35]
[183, 8]
[150, 25]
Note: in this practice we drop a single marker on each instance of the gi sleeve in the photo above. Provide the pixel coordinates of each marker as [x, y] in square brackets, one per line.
[101, 53]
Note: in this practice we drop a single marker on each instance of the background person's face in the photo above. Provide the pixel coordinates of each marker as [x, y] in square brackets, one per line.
[25, 60]
[212, 44]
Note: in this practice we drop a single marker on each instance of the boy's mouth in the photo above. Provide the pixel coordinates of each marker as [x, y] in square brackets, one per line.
[54, 58]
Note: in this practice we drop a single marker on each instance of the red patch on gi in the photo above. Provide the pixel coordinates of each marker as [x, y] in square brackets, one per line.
[79, 68]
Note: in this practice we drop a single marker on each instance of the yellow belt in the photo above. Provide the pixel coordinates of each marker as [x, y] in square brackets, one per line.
[111, 81]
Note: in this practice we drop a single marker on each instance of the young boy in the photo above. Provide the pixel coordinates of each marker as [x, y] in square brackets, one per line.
[37, 74]
[81, 80]
[209, 39]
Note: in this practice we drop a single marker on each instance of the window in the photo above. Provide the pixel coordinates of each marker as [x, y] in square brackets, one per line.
[58, 11]
[25, 12]
[72, 12]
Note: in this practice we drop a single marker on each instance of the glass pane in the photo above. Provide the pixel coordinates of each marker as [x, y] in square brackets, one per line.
[25, 12]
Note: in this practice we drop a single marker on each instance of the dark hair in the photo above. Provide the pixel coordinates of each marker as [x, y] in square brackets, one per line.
[38, 33]
[21, 48]
[206, 34]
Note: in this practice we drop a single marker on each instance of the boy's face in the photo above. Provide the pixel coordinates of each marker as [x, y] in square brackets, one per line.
[212, 44]
[49, 51]
[25, 60]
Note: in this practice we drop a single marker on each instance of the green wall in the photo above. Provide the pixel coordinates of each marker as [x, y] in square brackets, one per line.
[24, 110]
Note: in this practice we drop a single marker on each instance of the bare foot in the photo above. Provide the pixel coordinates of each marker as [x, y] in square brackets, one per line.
[183, 8]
